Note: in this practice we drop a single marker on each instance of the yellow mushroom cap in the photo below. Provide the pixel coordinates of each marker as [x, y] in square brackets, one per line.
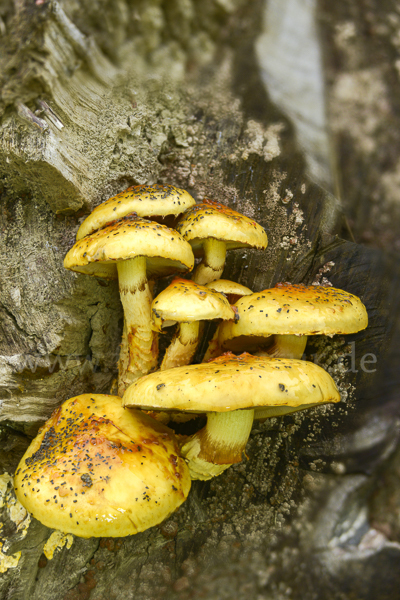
[165, 250]
[96, 469]
[290, 309]
[227, 287]
[210, 219]
[232, 290]
[187, 301]
[233, 383]
[144, 200]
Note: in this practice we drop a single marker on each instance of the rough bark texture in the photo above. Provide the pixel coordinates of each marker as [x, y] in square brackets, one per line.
[96, 96]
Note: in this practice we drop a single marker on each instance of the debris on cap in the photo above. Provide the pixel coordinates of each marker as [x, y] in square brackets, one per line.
[213, 228]
[96, 469]
[228, 389]
[187, 303]
[144, 200]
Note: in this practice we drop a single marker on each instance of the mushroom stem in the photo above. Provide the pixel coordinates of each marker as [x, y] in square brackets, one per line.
[139, 347]
[219, 444]
[212, 265]
[288, 346]
[183, 346]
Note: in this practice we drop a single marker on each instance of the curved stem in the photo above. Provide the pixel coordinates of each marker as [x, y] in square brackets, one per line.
[183, 346]
[219, 444]
[212, 265]
[288, 346]
[139, 347]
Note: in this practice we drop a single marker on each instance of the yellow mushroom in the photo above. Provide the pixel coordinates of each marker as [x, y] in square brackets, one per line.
[229, 389]
[97, 469]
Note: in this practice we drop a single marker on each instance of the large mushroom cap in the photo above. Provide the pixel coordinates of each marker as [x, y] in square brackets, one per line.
[186, 301]
[165, 250]
[210, 219]
[232, 383]
[96, 469]
[145, 200]
[295, 310]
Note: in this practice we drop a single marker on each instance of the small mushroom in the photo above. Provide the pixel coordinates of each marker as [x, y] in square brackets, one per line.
[229, 389]
[131, 249]
[187, 303]
[290, 313]
[212, 229]
[232, 290]
[147, 201]
[96, 469]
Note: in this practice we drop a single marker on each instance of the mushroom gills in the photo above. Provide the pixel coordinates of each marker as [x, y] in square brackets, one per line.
[288, 346]
[277, 411]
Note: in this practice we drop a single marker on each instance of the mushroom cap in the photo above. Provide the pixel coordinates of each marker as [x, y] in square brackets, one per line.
[231, 289]
[96, 469]
[210, 219]
[187, 301]
[144, 200]
[231, 383]
[290, 309]
[97, 254]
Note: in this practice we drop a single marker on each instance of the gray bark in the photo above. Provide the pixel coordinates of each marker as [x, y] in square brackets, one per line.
[99, 96]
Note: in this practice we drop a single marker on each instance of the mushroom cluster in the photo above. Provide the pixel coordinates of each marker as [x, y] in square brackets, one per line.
[100, 462]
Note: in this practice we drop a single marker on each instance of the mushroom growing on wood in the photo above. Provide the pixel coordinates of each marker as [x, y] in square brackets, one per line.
[187, 303]
[96, 469]
[229, 389]
[290, 313]
[212, 229]
[133, 249]
[147, 201]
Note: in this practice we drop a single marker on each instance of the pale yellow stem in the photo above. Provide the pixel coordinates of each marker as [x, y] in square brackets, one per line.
[139, 347]
[212, 265]
[183, 346]
[219, 444]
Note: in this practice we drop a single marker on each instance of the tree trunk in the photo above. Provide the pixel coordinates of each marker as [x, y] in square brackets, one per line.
[99, 96]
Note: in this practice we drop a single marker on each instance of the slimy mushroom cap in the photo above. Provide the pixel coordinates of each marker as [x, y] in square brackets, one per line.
[144, 200]
[96, 469]
[165, 250]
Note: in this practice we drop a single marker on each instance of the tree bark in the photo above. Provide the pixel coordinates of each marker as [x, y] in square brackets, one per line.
[96, 97]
